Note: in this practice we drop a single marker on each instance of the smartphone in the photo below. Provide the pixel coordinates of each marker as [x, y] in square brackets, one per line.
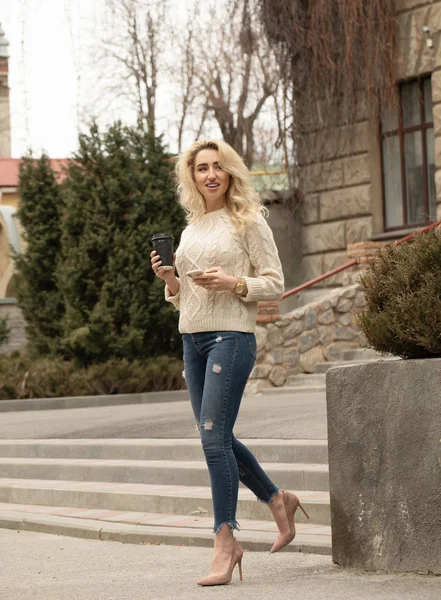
[195, 273]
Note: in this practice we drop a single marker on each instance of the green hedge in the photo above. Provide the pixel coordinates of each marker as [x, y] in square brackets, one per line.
[21, 377]
[4, 331]
[403, 297]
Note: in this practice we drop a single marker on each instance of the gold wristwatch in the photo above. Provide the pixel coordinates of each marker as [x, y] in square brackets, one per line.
[239, 286]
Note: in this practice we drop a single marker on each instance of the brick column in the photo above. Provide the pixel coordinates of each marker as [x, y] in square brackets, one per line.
[364, 251]
[268, 311]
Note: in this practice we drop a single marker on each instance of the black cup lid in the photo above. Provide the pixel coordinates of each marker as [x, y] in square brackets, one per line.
[157, 236]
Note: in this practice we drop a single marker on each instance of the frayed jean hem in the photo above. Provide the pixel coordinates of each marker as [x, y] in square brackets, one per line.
[271, 498]
[233, 525]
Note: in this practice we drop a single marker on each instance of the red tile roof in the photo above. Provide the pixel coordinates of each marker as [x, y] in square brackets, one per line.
[9, 170]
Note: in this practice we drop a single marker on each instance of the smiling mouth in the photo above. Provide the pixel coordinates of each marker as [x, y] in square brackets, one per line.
[212, 186]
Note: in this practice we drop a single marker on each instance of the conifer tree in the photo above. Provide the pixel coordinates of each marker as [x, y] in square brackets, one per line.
[119, 192]
[36, 287]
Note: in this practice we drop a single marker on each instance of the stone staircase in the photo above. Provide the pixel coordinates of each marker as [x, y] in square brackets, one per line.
[316, 382]
[154, 490]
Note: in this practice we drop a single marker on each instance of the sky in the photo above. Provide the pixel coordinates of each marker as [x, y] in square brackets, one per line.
[52, 77]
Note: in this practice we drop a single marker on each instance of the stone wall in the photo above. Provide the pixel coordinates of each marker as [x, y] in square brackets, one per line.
[296, 341]
[16, 324]
[343, 192]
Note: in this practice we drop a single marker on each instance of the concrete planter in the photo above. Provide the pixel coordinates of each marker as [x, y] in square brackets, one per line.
[384, 431]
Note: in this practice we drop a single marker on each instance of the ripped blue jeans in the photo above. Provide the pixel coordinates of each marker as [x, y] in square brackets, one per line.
[217, 367]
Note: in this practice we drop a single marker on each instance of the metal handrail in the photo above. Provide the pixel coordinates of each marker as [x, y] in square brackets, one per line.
[352, 263]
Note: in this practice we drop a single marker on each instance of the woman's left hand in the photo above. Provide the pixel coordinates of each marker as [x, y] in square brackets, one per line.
[216, 280]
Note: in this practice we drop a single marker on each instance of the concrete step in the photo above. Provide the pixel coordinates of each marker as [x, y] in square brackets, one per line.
[169, 499]
[92, 401]
[265, 450]
[291, 390]
[183, 473]
[305, 380]
[323, 367]
[144, 528]
[362, 354]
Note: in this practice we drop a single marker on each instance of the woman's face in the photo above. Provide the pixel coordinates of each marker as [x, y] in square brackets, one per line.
[210, 179]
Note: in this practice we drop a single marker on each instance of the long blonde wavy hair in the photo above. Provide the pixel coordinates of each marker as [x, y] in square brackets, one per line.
[243, 202]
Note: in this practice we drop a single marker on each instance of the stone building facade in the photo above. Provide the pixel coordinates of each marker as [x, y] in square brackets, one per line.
[355, 193]
[5, 118]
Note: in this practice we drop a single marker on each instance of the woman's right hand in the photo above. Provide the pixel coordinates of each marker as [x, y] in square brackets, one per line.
[159, 270]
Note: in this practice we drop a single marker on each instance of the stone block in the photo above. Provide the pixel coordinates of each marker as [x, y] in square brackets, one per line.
[260, 358]
[278, 376]
[291, 357]
[322, 306]
[344, 333]
[283, 322]
[298, 313]
[261, 371]
[356, 170]
[326, 334]
[312, 266]
[334, 351]
[437, 120]
[348, 202]
[334, 143]
[293, 330]
[404, 5]
[308, 341]
[308, 360]
[327, 317]
[345, 319]
[437, 153]
[351, 277]
[360, 300]
[438, 185]
[257, 386]
[322, 176]
[344, 305]
[333, 300]
[275, 356]
[359, 229]
[310, 319]
[350, 292]
[332, 260]
[310, 209]
[433, 16]
[415, 56]
[274, 336]
[436, 87]
[261, 337]
[323, 237]
[384, 465]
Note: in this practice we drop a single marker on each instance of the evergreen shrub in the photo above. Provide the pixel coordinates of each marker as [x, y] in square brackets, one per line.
[4, 331]
[85, 282]
[36, 287]
[403, 297]
[24, 377]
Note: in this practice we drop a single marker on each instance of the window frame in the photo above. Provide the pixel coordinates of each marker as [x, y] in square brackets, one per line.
[423, 126]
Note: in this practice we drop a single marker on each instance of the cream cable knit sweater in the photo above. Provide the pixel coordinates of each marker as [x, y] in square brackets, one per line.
[213, 242]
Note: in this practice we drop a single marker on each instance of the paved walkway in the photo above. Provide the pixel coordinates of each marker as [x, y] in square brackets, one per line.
[45, 567]
[141, 527]
[282, 416]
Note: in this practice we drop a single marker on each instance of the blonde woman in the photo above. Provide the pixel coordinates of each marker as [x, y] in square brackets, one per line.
[227, 261]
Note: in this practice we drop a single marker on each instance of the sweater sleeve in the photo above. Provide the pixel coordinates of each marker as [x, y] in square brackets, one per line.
[175, 300]
[268, 282]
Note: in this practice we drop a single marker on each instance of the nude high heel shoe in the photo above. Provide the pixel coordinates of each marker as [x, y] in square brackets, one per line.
[225, 578]
[292, 503]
